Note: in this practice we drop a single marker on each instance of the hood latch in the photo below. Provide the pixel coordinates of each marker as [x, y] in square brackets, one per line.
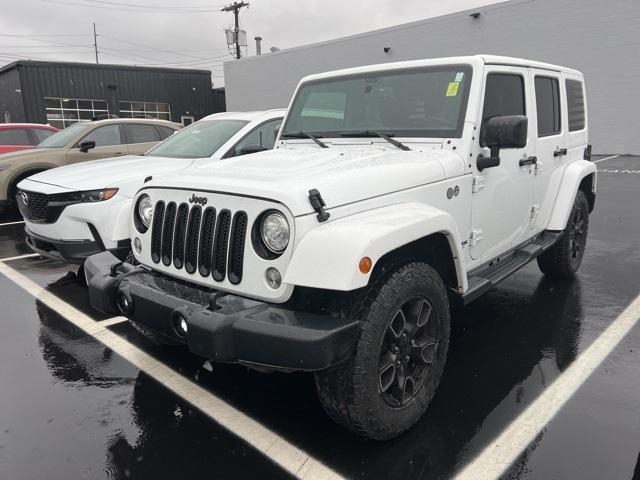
[317, 203]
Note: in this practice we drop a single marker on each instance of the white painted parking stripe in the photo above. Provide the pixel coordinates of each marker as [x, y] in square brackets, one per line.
[500, 454]
[18, 257]
[11, 223]
[289, 457]
[606, 158]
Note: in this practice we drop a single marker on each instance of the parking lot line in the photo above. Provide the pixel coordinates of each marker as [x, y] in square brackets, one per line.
[11, 223]
[606, 158]
[18, 257]
[499, 455]
[289, 457]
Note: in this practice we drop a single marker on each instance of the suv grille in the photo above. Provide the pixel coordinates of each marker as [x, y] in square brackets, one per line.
[199, 240]
[33, 205]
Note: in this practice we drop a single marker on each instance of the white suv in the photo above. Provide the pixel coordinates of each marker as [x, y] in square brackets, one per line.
[394, 193]
[78, 210]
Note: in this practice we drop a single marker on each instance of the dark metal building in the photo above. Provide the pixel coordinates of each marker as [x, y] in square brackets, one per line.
[63, 93]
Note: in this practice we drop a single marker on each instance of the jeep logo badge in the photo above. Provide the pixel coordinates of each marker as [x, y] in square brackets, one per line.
[199, 200]
[25, 198]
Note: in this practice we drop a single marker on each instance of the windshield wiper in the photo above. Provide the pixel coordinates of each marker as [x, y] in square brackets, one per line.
[373, 133]
[305, 135]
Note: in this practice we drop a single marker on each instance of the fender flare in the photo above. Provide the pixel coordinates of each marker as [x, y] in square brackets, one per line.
[327, 257]
[569, 186]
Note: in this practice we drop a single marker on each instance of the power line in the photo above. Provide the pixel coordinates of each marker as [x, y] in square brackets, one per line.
[124, 8]
[153, 48]
[168, 7]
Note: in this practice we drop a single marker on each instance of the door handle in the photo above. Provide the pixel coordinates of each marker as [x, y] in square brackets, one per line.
[560, 152]
[528, 161]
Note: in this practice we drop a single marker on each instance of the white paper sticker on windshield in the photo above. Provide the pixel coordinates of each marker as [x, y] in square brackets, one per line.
[459, 76]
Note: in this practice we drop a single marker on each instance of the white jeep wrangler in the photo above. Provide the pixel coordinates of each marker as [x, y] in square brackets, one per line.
[395, 192]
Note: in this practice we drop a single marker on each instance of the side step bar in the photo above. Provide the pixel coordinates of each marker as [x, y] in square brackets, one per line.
[485, 277]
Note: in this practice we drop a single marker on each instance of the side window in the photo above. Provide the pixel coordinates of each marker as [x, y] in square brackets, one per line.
[575, 105]
[264, 135]
[14, 136]
[41, 134]
[504, 95]
[140, 133]
[104, 136]
[548, 106]
[165, 132]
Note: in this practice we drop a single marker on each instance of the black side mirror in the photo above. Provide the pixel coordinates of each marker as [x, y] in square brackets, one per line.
[506, 131]
[86, 146]
[252, 148]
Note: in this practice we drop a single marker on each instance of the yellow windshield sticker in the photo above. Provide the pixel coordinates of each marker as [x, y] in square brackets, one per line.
[452, 89]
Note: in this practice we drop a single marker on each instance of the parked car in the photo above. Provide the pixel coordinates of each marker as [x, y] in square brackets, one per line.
[394, 193]
[78, 210]
[81, 142]
[23, 136]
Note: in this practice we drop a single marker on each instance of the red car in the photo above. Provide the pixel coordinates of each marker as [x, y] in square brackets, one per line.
[21, 136]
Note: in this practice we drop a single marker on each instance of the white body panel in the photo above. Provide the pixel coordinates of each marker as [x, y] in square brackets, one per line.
[381, 198]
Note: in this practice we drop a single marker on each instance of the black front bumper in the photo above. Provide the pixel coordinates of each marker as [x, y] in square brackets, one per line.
[221, 327]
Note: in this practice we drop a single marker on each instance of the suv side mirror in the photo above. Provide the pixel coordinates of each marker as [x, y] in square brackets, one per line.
[252, 148]
[506, 131]
[86, 146]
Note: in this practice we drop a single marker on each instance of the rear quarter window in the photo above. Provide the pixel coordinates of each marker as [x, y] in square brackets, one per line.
[575, 105]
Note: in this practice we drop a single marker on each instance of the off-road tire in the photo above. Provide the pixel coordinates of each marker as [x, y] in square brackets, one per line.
[561, 260]
[351, 393]
[131, 259]
[156, 338]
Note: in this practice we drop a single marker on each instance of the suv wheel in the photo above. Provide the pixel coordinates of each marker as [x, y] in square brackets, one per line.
[387, 384]
[564, 258]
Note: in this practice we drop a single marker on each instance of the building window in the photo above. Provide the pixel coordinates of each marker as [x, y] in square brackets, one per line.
[62, 112]
[131, 109]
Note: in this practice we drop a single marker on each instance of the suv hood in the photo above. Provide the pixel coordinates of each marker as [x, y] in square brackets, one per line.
[342, 175]
[27, 155]
[109, 172]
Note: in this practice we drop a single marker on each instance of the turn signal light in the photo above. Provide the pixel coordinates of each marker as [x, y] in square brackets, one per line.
[365, 265]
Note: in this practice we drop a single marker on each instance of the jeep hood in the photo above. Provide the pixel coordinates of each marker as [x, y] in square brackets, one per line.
[342, 175]
[109, 172]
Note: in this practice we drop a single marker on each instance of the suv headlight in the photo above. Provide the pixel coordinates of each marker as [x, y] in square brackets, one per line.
[275, 232]
[86, 196]
[143, 213]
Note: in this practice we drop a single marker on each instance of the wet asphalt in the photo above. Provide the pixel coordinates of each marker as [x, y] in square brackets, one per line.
[72, 408]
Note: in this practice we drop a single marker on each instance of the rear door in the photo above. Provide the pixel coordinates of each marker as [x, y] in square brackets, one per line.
[140, 137]
[551, 143]
[502, 195]
[108, 140]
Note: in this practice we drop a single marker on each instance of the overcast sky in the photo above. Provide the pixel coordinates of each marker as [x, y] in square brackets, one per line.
[190, 33]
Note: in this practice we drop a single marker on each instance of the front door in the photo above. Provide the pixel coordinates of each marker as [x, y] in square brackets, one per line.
[551, 150]
[108, 140]
[502, 195]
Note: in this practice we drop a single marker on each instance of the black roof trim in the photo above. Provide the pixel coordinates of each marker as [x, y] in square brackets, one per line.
[102, 66]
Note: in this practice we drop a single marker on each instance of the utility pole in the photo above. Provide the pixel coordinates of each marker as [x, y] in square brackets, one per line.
[235, 8]
[95, 42]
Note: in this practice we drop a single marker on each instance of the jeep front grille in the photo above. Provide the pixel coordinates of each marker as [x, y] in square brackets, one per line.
[197, 239]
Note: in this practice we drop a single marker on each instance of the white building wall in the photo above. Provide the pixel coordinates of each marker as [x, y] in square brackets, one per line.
[598, 37]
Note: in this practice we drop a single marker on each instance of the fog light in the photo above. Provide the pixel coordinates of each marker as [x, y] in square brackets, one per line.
[137, 244]
[179, 324]
[125, 304]
[273, 277]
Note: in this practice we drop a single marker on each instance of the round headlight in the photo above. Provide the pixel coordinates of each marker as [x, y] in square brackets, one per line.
[275, 231]
[145, 210]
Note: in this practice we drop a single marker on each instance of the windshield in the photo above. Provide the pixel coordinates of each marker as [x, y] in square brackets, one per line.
[424, 102]
[199, 140]
[60, 139]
